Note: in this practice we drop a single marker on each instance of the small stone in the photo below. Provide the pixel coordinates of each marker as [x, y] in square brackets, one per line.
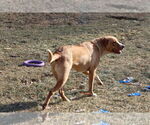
[55, 96]
[80, 110]
[136, 84]
[7, 48]
[82, 86]
[72, 98]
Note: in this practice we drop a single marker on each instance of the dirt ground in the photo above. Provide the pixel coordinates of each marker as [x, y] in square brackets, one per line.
[28, 36]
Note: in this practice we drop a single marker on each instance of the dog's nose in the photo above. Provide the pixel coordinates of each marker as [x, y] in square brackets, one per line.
[122, 46]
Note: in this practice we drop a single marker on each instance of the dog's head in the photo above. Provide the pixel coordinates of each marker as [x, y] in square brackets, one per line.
[111, 44]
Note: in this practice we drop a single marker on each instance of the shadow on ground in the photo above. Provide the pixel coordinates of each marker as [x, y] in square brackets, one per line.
[19, 106]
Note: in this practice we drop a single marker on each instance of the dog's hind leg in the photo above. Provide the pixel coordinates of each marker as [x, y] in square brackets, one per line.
[61, 73]
[62, 94]
[58, 85]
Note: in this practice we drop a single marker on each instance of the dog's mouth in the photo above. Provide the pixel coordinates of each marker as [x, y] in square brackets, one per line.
[119, 51]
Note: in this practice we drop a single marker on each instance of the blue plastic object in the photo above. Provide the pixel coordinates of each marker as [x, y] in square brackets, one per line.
[147, 87]
[102, 123]
[103, 111]
[134, 94]
[127, 80]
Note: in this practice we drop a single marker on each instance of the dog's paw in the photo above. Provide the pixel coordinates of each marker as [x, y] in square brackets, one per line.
[66, 99]
[44, 106]
[88, 93]
[100, 83]
[94, 94]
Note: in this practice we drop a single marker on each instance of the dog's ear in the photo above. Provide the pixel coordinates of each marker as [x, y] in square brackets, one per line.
[104, 42]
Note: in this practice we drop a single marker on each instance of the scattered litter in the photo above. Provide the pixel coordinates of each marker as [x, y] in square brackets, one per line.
[127, 80]
[136, 84]
[135, 94]
[147, 89]
[101, 123]
[79, 110]
[72, 98]
[102, 111]
[80, 123]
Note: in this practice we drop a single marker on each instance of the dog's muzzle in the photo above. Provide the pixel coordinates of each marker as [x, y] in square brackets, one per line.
[120, 48]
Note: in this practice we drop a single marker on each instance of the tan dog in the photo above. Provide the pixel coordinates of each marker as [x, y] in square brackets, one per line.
[83, 58]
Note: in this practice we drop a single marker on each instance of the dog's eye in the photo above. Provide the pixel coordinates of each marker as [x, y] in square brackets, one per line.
[114, 44]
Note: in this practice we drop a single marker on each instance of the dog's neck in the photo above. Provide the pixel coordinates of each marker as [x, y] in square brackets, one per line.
[98, 43]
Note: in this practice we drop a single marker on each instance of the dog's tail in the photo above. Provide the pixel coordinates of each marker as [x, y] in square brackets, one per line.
[52, 57]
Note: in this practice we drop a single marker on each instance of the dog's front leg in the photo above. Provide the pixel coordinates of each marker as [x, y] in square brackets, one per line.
[99, 81]
[91, 82]
[91, 75]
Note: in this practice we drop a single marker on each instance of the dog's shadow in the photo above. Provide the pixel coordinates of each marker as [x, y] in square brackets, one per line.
[18, 106]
